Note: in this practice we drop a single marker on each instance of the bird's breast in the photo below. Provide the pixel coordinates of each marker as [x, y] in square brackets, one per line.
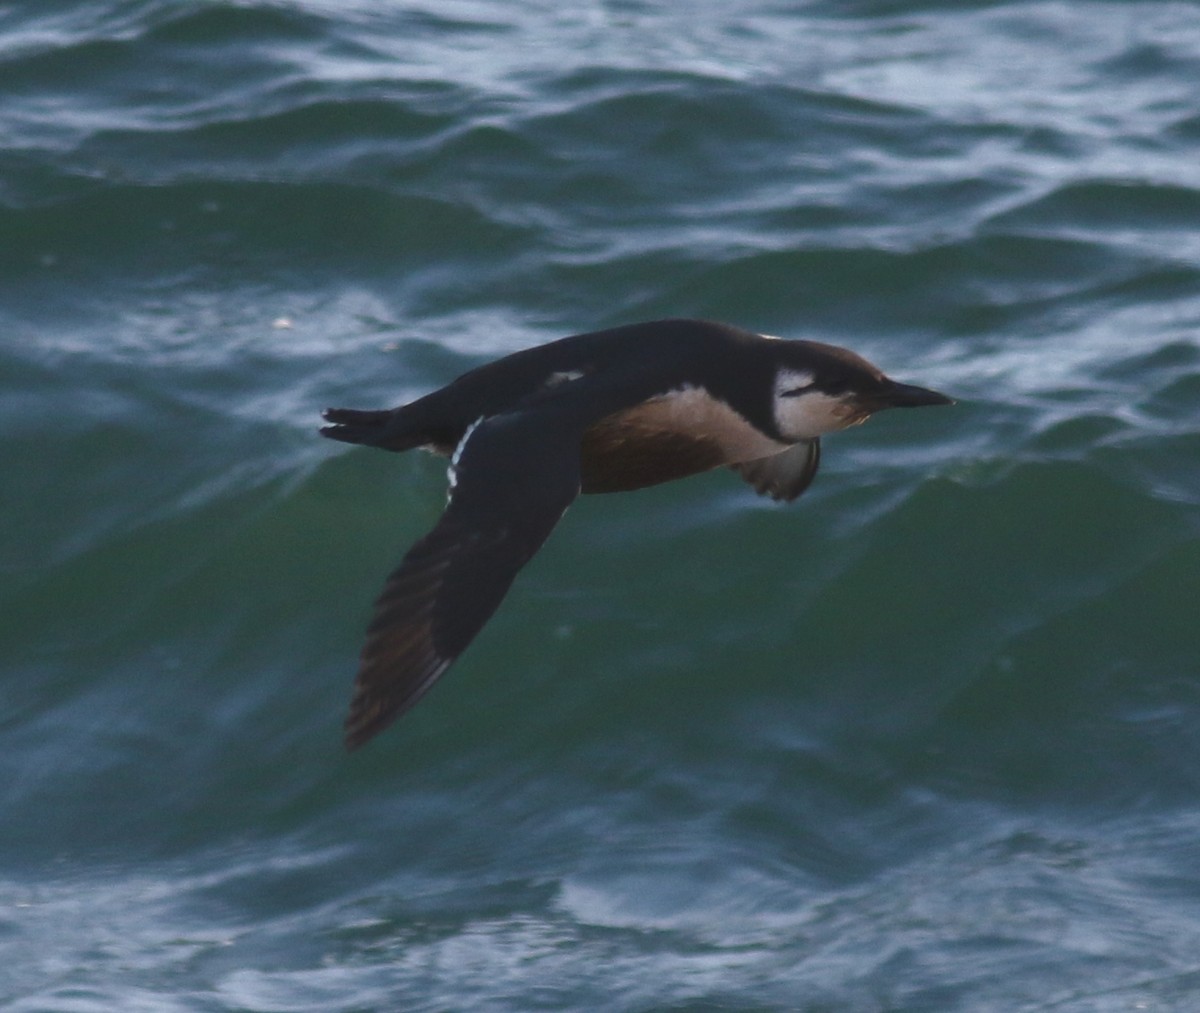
[670, 436]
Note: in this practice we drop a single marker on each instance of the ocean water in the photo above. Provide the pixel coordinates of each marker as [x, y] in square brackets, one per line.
[927, 739]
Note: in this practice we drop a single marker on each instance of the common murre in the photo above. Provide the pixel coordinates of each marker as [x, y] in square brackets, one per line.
[606, 411]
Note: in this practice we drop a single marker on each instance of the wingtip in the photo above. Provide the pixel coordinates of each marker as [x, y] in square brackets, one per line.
[365, 719]
[373, 711]
[357, 732]
[351, 741]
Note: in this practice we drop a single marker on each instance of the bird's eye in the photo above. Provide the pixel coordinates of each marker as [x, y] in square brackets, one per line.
[796, 391]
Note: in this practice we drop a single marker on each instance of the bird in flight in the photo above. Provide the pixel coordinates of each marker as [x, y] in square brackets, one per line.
[606, 411]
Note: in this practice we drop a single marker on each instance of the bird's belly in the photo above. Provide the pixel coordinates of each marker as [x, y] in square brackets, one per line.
[669, 437]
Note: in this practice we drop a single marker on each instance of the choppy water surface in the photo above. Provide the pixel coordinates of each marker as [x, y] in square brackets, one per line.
[928, 739]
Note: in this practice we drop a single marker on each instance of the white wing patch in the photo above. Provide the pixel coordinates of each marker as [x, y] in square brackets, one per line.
[566, 376]
[452, 471]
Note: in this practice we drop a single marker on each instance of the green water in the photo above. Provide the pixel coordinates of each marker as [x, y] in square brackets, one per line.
[928, 739]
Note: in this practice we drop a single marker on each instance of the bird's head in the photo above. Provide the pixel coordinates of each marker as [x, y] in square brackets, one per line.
[821, 388]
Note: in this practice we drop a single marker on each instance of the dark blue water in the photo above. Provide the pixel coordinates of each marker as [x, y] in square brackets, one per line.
[928, 739]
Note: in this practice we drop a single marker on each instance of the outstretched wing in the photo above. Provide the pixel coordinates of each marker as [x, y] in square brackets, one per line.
[785, 475]
[511, 479]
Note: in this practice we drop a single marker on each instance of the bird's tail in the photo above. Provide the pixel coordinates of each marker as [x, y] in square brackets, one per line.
[372, 428]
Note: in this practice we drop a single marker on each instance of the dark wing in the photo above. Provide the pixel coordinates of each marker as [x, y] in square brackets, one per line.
[785, 475]
[511, 479]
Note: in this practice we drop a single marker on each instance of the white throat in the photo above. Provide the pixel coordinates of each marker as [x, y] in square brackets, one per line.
[809, 413]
